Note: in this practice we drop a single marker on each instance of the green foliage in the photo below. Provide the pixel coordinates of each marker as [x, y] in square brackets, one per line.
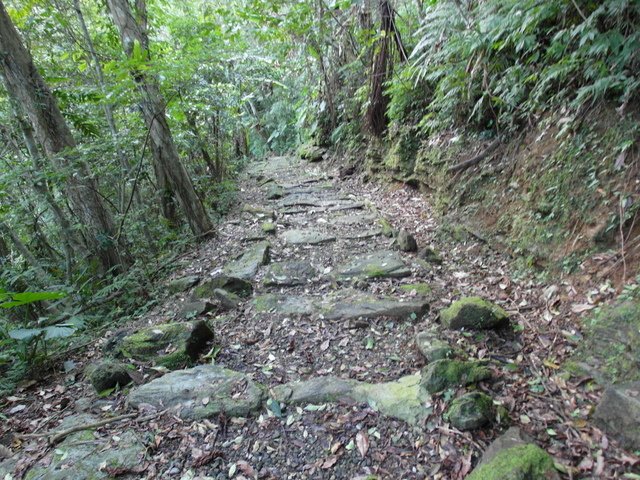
[10, 300]
[498, 64]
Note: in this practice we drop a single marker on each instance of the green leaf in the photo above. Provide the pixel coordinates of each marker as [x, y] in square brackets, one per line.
[274, 406]
[26, 298]
[48, 333]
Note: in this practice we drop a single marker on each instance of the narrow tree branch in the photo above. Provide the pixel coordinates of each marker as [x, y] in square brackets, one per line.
[477, 159]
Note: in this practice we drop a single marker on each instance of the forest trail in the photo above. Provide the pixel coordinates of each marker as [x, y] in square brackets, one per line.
[310, 328]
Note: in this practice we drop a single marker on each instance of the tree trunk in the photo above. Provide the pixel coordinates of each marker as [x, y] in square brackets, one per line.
[108, 110]
[202, 146]
[25, 84]
[133, 31]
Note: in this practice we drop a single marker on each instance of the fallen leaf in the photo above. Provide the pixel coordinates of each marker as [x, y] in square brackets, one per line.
[362, 441]
[329, 462]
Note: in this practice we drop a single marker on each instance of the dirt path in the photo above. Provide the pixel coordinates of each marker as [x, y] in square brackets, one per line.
[337, 303]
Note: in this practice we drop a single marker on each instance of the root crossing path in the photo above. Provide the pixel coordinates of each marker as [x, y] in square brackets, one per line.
[333, 330]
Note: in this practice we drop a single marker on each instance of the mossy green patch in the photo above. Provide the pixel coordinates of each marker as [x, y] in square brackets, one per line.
[310, 152]
[423, 289]
[443, 374]
[265, 303]
[373, 271]
[611, 343]
[269, 227]
[386, 227]
[523, 462]
[470, 411]
[173, 345]
[474, 313]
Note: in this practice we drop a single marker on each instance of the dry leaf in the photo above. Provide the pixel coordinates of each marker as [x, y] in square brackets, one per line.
[330, 462]
[581, 307]
[362, 441]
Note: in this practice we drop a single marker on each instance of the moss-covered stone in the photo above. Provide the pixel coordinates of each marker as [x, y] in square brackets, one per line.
[242, 288]
[227, 300]
[204, 391]
[288, 274]
[269, 227]
[522, 462]
[246, 265]
[474, 313]
[402, 399]
[471, 411]
[443, 374]
[194, 309]
[178, 285]
[400, 158]
[423, 289]
[274, 192]
[382, 264]
[430, 255]
[173, 345]
[611, 344]
[618, 414]
[258, 211]
[311, 152]
[431, 347]
[387, 228]
[406, 242]
[107, 374]
[84, 456]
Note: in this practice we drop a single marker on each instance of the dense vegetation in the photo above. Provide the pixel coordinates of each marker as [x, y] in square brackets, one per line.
[121, 144]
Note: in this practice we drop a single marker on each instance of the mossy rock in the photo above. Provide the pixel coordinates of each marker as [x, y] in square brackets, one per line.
[386, 227]
[400, 158]
[107, 374]
[84, 456]
[406, 242]
[471, 411]
[275, 192]
[422, 289]
[443, 374]
[269, 227]
[260, 212]
[182, 284]
[610, 345]
[227, 300]
[194, 309]
[474, 313]
[311, 152]
[432, 348]
[430, 255]
[242, 288]
[522, 462]
[204, 391]
[246, 265]
[172, 345]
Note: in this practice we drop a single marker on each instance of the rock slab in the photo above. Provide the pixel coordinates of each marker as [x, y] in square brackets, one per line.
[289, 274]
[402, 399]
[618, 414]
[247, 264]
[383, 264]
[307, 237]
[201, 392]
[83, 456]
[346, 305]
